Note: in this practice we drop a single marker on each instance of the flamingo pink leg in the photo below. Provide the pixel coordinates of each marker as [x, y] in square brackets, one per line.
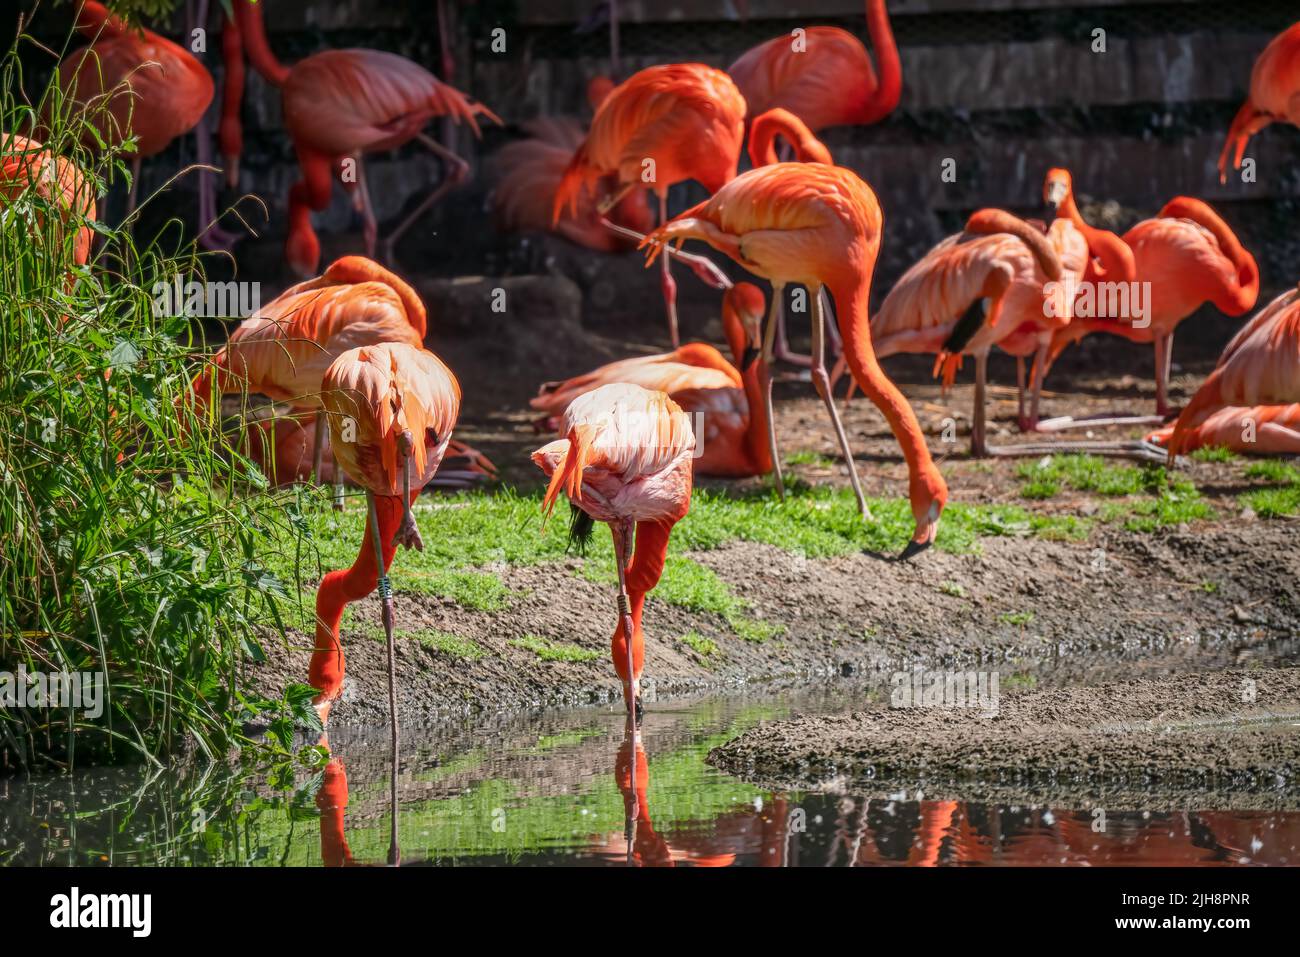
[457, 171]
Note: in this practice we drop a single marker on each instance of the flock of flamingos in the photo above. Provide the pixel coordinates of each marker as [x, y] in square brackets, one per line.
[347, 347]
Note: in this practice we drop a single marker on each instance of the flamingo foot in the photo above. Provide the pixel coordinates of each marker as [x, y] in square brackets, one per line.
[408, 533]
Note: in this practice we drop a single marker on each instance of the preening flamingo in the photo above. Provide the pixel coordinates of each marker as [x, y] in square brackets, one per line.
[1251, 401]
[663, 125]
[727, 396]
[341, 104]
[1274, 96]
[938, 306]
[530, 172]
[25, 164]
[134, 84]
[625, 460]
[284, 349]
[1189, 256]
[819, 226]
[1109, 258]
[824, 76]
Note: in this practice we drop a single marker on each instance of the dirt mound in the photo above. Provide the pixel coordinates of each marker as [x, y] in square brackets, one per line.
[1230, 737]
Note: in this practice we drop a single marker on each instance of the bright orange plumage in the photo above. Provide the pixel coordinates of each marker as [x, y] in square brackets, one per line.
[283, 350]
[1260, 367]
[25, 164]
[819, 226]
[823, 74]
[1274, 96]
[159, 90]
[687, 118]
[724, 396]
[765, 129]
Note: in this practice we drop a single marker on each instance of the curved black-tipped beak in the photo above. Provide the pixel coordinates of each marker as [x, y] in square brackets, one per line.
[913, 548]
[749, 358]
[1050, 208]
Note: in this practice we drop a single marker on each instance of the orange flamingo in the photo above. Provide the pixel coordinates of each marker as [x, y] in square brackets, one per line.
[625, 460]
[937, 306]
[284, 349]
[1249, 402]
[824, 76]
[134, 84]
[341, 104]
[1189, 256]
[531, 171]
[391, 409]
[663, 125]
[726, 396]
[1109, 258]
[764, 133]
[26, 165]
[819, 226]
[1274, 96]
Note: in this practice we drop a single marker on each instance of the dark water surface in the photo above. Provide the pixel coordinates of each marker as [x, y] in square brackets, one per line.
[556, 788]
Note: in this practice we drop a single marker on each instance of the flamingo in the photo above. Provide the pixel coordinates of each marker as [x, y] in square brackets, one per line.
[133, 84]
[727, 396]
[341, 104]
[285, 348]
[819, 226]
[663, 125]
[827, 82]
[1274, 96]
[530, 172]
[26, 165]
[1189, 256]
[625, 460]
[999, 260]
[1109, 258]
[1251, 401]
[764, 132]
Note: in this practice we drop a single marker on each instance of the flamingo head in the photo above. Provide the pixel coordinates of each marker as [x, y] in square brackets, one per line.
[1057, 188]
[929, 495]
[745, 304]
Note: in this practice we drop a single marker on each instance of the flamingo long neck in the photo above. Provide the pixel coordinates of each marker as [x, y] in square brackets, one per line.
[1117, 261]
[756, 445]
[765, 129]
[851, 309]
[339, 588]
[260, 54]
[889, 73]
[1240, 294]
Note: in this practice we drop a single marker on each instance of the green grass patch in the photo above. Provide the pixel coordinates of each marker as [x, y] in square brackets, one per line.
[480, 591]
[1211, 453]
[445, 642]
[549, 650]
[1272, 502]
[952, 589]
[704, 647]
[1275, 471]
[1018, 618]
[811, 459]
[1085, 473]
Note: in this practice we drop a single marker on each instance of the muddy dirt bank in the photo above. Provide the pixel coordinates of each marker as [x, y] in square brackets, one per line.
[1223, 594]
[1230, 739]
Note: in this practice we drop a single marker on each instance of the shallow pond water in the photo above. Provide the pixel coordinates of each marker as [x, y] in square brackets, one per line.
[555, 788]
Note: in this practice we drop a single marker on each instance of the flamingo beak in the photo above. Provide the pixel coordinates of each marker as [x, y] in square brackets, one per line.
[925, 534]
[1054, 196]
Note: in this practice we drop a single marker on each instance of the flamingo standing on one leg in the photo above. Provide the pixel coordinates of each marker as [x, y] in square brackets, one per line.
[819, 226]
[728, 398]
[663, 125]
[625, 460]
[1251, 401]
[134, 84]
[341, 104]
[1189, 256]
[1274, 96]
[392, 408]
[827, 79]
[999, 261]
[25, 164]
